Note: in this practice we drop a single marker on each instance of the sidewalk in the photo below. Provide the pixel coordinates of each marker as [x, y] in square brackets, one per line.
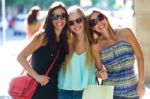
[147, 94]
[8, 63]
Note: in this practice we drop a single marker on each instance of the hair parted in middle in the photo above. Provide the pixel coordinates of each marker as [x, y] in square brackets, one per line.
[49, 28]
[72, 38]
[93, 35]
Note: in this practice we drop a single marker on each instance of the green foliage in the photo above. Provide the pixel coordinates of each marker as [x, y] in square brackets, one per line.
[41, 3]
[111, 3]
[94, 2]
[44, 4]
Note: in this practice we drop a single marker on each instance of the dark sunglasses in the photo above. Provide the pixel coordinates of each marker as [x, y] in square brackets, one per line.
[72, 22]
[56, 16]
[99, 18]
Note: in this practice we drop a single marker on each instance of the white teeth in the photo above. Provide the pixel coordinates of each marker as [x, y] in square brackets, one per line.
[59, 24]
[77, 28]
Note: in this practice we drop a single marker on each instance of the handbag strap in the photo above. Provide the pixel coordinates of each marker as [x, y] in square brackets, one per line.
[52, 64]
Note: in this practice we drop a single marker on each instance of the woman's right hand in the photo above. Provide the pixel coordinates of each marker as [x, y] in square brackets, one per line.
[42, 79]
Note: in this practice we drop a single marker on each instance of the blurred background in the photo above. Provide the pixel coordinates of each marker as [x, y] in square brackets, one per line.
[121, 13]
[15, 12]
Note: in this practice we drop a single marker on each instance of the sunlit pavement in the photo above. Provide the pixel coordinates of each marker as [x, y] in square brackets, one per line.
[8, 63]
[147, 94]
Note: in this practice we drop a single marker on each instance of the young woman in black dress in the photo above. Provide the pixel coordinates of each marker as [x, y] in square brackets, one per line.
[43, 47]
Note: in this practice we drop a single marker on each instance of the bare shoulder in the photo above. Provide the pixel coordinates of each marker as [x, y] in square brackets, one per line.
[125, 33]
[99, 45]
[96, 46]
[39, 37]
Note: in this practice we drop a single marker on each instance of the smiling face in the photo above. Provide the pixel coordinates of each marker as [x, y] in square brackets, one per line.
[58, 19]
[99, 23]
[76, 22]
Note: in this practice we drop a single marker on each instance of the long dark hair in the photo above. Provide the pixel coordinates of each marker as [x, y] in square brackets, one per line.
[50, 32]
[32, 16]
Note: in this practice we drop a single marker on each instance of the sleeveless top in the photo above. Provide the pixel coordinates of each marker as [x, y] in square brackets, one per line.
[41, 60]
[78, 75]
[119, 59]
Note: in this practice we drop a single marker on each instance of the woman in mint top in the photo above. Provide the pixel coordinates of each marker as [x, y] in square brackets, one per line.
[78, 70]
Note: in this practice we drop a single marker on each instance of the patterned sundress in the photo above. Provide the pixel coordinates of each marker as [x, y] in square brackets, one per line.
[119, 59]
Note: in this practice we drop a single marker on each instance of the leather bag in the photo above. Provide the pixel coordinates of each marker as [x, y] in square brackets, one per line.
[24, 86]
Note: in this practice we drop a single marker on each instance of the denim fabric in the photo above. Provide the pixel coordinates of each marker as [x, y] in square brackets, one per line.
[69, 94]
[118, 97]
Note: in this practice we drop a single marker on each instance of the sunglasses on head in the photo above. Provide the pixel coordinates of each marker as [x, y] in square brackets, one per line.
[99, 18]
[56, 16]
[72, 22]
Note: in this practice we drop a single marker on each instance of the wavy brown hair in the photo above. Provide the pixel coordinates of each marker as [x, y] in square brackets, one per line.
[94, 35]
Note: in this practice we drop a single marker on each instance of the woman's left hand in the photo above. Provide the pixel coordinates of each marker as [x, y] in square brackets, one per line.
[102, 74]
[141, 89]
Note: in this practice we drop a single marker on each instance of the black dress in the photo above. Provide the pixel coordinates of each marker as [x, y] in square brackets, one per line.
[41, 60]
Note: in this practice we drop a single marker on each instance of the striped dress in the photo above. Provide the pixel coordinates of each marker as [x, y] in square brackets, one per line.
[119, 59]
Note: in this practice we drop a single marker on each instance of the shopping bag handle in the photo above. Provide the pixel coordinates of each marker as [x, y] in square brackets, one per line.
[99, 81]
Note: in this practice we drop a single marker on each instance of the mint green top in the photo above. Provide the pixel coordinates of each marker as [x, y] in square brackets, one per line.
[78, 75]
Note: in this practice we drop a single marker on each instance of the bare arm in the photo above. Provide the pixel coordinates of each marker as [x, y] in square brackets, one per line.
[30, 29]
[101, 69]
[32, 46]
[95, 51]
[138, 53]
[140, 60]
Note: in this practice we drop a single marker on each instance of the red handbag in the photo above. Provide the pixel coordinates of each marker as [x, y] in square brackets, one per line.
[24, 86]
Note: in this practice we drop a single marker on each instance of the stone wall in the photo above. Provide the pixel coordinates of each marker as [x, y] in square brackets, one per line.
[142, 25]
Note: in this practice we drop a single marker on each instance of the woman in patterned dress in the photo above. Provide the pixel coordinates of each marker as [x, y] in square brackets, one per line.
[115, 51]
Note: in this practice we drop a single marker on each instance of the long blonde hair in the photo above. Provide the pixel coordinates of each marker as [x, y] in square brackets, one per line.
[72, 40]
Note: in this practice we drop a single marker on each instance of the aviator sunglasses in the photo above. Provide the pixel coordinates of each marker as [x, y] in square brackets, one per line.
[56, 16]
[99, 18]
[72, 22]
